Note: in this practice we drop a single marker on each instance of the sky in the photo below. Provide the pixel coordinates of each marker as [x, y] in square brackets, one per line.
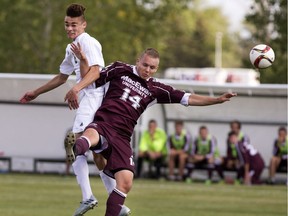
[235, 10]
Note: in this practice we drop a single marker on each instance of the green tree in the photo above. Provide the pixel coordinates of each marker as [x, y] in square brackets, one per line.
[268, 25]
[191, 41]
[30, 37]
[33, 37]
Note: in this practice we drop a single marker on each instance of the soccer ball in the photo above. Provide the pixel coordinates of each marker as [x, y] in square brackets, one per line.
[262, 56]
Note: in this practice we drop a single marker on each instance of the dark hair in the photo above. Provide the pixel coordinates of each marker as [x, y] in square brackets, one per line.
[231, 133]
[151, 52]
[152, 121]
[282, 128]
[236, 122]
[75, 10]
[203, 127]
[179, 122]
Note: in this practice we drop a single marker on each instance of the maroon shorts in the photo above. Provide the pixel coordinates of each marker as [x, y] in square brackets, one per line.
[119, 154]
[256, 165]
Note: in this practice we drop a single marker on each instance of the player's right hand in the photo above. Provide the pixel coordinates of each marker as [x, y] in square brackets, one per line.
[72, 98]
[29, 96]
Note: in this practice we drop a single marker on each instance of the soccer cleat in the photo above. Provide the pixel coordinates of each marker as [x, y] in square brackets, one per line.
[125, 211]
[86, 206]
[69, 142]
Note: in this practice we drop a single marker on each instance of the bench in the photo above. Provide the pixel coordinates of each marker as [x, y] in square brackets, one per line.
[53, 161]
[9, 161]
[281, 169]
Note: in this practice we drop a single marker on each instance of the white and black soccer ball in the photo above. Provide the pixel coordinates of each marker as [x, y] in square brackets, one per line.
[262, 56]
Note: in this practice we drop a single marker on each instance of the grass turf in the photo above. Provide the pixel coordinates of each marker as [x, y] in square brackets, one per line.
[46, 195]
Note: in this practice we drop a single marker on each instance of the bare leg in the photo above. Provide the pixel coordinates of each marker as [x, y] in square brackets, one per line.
[182, 162]
[274, 163]
[171, 163]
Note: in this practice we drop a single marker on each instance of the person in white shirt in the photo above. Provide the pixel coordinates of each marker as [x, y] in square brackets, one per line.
[75, 25]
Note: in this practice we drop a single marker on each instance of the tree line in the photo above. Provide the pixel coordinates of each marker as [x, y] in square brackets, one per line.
[33, 39]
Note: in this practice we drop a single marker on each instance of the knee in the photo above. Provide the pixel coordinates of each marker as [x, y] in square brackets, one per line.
[183, 157]
[211, 160]
[124, 180]
[124, 186]
[274, 160]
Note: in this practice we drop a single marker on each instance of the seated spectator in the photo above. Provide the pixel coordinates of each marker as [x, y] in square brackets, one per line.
[236, 127]
[218, 162]
[280, 150]
[203, 153]
[249, 158]
[152, 147]
[231, 160]
[178, 146]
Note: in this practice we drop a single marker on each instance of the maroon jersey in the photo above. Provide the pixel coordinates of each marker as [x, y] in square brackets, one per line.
[129, 95]
[248, 154]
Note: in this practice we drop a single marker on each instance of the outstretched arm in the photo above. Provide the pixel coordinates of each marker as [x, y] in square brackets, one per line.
[200, 100]
[52, 84]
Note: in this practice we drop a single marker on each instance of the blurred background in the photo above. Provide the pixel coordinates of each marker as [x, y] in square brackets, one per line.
[187, 33]
[204, 47]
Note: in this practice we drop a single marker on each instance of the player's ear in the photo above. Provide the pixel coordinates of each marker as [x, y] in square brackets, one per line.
[84, 24]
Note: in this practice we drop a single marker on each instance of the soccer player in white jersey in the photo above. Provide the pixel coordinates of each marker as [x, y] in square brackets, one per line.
[75, 25]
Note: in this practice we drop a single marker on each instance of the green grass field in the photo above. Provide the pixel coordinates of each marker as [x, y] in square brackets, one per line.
[52, 195]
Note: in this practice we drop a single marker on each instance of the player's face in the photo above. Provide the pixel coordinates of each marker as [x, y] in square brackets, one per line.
[235, 127]
[178, 128]
[74, 26]
[146, 66]
[233, 139]
[203, 133]
[282, 135]
[152, 127]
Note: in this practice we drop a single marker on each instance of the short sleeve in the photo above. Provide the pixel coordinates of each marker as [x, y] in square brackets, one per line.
[67, 67]
[185, 99]
[166, 93]
[92, 49]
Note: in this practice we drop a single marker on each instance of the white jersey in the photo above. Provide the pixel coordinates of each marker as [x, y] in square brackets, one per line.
[93, 52]
[87, 103]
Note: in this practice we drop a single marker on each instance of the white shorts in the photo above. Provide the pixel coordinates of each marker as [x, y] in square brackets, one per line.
[89, 102]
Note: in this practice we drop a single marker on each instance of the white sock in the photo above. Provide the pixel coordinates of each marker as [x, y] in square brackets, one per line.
[81, 171]
[108, 182]
[120, 193]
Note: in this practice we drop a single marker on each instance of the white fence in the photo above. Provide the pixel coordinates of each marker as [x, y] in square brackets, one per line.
[37, 129]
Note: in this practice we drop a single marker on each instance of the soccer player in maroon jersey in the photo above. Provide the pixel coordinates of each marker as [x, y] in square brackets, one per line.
[131, 91]
[249, 158]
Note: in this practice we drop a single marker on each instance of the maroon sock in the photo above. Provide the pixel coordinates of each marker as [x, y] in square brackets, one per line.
[114, 203]
[81, 146]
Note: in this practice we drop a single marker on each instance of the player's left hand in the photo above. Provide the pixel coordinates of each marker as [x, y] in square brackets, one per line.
[72, 99]
[226, 96]
[76, 49]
